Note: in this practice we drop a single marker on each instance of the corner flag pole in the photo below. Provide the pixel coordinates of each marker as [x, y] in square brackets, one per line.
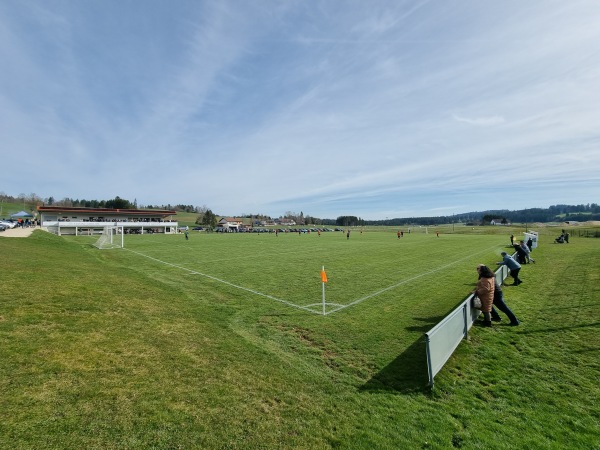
[323, 281]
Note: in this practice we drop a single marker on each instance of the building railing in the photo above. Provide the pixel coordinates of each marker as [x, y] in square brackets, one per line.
[89, 228]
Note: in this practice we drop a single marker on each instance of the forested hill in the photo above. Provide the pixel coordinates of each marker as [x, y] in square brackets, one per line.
[555, 213]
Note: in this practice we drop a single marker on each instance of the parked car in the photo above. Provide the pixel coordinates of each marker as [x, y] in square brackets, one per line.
[8, 223]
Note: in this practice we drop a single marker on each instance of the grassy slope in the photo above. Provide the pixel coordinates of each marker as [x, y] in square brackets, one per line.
[135, 356]
[9, 208]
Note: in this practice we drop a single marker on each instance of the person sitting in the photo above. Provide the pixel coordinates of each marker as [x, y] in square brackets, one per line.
[560, 239]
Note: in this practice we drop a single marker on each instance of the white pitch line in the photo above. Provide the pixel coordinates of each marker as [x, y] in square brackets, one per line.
[227, 283]
[307, 308]
[355, 302]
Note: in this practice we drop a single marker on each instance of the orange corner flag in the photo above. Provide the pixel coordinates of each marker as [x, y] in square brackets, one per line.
[323, 276]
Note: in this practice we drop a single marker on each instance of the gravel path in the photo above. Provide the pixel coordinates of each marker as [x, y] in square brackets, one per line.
[17, 232]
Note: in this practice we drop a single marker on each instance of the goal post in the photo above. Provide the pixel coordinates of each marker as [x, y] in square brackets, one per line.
[111, 237]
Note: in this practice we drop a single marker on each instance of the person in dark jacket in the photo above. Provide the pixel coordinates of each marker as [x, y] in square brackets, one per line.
[521, 254]
[527, 251]
[513, 266]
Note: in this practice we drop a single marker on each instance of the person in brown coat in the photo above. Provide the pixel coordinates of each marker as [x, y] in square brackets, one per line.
[485, 291]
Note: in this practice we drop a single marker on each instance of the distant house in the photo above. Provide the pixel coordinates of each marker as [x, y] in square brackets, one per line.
[288, 222]
[229, 224]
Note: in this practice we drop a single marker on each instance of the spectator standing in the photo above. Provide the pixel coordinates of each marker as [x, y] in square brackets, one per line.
[485, 291]
[527, 252]
[502, 306]
[512, 239]
[521, 254]
[486, 272]
[513, 266]
[530, 244]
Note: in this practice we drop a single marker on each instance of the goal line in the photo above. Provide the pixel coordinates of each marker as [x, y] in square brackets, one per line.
[316, 308]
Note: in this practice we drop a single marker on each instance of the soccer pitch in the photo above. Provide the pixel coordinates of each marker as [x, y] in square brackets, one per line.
[220, 342]
[284, 271]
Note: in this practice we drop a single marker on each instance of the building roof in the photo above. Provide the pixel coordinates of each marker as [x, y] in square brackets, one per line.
[96, 211]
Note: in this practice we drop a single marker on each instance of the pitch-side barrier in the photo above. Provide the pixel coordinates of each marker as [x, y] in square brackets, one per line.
[442, 340]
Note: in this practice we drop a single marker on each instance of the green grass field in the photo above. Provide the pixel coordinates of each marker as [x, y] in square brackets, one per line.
[219, 342]
[286, 268]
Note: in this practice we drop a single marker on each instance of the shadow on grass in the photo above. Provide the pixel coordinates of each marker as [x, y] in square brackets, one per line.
[408, 372]
[405, 374]
[429, 323]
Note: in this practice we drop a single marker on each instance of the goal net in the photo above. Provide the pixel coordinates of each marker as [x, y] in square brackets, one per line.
[111, 237]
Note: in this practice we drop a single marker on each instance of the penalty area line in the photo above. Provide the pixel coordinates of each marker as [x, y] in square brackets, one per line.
[252, 291]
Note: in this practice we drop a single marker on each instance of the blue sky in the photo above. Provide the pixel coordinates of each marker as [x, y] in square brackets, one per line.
[375, 109]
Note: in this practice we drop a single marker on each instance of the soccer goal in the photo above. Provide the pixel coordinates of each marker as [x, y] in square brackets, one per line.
[111, 237]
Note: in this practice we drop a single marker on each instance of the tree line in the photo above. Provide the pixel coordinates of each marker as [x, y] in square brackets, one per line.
[554, 213]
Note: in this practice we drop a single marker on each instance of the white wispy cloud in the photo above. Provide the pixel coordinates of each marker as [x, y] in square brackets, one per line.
[481, 121]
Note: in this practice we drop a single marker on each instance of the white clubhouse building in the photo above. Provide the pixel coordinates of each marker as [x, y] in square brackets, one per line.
[86, 221]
